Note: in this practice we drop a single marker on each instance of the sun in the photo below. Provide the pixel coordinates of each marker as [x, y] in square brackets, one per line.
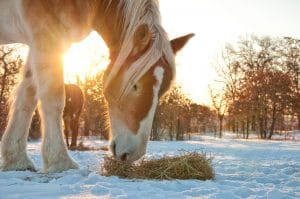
[85, 59]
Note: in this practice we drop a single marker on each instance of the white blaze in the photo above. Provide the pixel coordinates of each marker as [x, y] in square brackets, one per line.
[129, 142]
[146, 123]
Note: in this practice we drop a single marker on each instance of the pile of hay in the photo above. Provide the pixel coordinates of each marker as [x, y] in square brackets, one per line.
[189, 165]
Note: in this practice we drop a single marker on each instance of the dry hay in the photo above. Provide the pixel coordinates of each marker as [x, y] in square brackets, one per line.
[188, 165]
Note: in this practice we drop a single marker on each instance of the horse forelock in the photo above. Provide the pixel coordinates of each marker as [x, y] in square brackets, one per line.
[136, 13]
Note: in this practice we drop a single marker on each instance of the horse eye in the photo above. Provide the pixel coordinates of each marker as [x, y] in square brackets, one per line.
[135, 87]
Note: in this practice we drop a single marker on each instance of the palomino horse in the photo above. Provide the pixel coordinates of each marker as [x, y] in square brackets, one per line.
[71, 114]
[141, 70]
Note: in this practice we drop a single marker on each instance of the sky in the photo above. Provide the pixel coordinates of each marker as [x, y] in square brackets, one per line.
[215, 23]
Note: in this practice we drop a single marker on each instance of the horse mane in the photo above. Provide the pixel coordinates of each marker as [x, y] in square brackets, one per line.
[136, 13]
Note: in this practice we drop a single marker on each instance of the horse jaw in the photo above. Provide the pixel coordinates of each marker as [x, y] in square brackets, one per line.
[130, 146]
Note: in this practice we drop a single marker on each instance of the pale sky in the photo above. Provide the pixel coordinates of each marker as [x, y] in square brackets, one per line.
[216, 22]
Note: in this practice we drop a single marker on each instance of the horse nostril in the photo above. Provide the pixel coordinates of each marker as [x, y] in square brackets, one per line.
[124, 157]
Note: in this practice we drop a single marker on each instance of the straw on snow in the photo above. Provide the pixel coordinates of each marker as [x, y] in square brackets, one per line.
[189, 165]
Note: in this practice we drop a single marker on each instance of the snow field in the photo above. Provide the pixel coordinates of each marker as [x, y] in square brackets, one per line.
[244, 169]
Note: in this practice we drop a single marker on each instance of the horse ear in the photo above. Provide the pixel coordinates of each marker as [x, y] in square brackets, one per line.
[179, 42]
[142, 38]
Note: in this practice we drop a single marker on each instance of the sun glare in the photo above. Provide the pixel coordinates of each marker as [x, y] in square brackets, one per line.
[85, 59]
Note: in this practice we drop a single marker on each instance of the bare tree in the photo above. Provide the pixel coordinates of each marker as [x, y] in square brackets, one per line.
[10, 64]
[220, 105]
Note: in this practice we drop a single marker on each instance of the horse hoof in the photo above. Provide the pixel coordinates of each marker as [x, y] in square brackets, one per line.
[60, 167]
[18, 167]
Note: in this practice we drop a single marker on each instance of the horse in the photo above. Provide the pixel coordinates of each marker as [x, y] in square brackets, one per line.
[71, 113]
[141, 70]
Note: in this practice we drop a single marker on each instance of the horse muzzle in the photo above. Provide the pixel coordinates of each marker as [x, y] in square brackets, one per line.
[127, 148]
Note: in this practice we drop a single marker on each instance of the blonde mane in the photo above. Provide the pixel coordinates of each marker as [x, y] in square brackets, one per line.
[136, 13]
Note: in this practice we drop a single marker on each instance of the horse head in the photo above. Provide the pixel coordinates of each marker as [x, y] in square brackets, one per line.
[141, 70]
[132, 101]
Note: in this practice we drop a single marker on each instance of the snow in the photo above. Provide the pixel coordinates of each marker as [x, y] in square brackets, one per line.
[244, 169]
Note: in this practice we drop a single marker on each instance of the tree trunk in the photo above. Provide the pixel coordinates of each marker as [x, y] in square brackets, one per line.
[86, 127]
[247, 128]
[154, 131]
[261, 128]
[178, 129]
[273, 122]
[215, 132]
[221, 117]
[171, 132]
[237, 126]
[243, 129]
[233, 126]
[265, 127]
[298, 116]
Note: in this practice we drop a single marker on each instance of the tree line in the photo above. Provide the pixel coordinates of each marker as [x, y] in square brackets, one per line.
[177, 117]
[261, 94]
[261, 88]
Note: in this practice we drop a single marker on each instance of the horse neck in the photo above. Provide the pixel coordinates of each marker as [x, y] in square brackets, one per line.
[107, 23]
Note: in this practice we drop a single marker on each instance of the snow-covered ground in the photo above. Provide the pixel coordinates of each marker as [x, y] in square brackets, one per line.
[244, 169]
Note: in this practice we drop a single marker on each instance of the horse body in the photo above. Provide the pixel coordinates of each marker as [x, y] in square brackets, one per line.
[71, 114]
[141, 70]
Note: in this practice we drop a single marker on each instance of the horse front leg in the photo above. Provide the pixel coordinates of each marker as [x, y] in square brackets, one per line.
[51, 92]
[14, 140]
